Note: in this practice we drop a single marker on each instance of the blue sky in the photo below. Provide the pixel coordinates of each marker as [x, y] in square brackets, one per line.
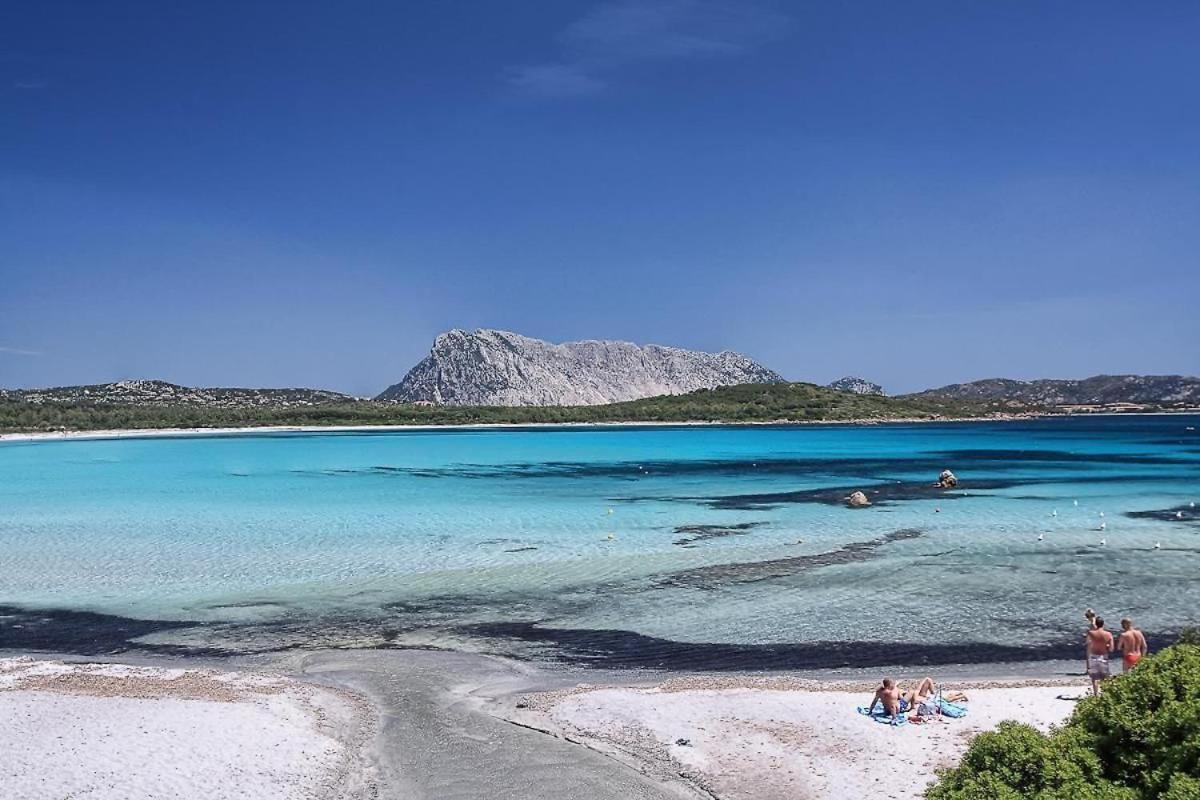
[306, 193]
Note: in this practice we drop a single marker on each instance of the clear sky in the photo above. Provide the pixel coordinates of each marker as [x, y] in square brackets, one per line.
[271, 193]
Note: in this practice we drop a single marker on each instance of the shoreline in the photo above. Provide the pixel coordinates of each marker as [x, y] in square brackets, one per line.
[143, 433]
[492, 726]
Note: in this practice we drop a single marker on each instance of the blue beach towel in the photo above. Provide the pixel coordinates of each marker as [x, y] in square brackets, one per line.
[880, 715]
[952, 710]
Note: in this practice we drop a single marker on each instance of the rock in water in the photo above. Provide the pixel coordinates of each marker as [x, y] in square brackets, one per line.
[505, 369]
[856, 386]
[857, 500]
[946, 480]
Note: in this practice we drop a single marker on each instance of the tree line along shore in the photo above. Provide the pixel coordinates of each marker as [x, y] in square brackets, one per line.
[747, 403]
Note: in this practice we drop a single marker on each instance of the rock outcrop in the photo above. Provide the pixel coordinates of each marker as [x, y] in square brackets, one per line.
[857, 500]
[499, 368]
[856, 386]
[946, 480]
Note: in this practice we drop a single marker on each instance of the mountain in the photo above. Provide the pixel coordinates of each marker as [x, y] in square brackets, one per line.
[161, 393]
[1156, 390]
[856, 386]
[499, 368]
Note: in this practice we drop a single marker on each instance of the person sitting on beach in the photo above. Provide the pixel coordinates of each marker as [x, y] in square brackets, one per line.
[1132, 644]
[888, 694]
[1099, 645]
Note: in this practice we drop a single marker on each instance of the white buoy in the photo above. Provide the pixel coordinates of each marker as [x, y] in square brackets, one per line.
[610, 511]
[1103, 542]
[1041, 537]
[1101, 514]
[1076, 502]
[1158, 545]
[1193, 504]
[611, 536]
[1102, 526]
[1054, 513]
[1178, 515]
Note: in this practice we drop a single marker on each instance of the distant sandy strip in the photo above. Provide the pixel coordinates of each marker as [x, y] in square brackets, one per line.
[770, 739]
[161, 432]
[113, 732]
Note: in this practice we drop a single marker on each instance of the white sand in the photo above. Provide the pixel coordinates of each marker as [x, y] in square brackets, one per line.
[108, 732]
[768, 743]
[135, 433]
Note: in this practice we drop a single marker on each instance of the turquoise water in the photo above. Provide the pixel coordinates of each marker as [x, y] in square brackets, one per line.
[600, 542]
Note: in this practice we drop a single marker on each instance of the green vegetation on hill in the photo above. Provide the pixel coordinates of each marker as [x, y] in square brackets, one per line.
[797, 402]
[1140, 740]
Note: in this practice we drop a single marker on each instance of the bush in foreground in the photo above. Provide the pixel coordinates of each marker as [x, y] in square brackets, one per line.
[1140, 740]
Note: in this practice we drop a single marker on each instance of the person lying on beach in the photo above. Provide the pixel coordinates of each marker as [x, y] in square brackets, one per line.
[889, 695]
[1099, 645]
[925, 690]
[1132, 645]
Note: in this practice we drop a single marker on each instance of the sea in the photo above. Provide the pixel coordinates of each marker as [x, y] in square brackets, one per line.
[705, 547]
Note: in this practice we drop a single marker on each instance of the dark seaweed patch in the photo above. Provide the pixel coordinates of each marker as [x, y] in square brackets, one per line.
[86, 632]
[1059, 456]
[618, 649]
[702, 533]
[883, 494]
[880, 494]
[717, 575]
[1187, 514]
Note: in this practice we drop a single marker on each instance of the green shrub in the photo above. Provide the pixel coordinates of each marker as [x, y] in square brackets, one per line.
[1140, 740]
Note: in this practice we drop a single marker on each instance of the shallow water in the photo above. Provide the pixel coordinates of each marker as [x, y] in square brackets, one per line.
[684, 546]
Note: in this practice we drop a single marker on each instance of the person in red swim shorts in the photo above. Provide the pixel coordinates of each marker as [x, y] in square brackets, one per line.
[1132, 644]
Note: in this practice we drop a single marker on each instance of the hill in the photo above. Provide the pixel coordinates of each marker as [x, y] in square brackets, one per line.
[490, 367]
[1160, 391]
[161, 393]
[781, 402]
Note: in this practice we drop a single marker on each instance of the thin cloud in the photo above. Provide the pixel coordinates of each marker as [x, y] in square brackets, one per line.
[30, 85]
[17, 351]
[623, 33]
[553, 80]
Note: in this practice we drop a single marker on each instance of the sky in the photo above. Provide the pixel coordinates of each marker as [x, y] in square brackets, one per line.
[305, 194]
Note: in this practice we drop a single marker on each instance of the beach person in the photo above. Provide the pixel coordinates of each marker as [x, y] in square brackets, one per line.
[1132, 645]
[888, 694]
[1099, 645]
[924, 691]
[1090, 616]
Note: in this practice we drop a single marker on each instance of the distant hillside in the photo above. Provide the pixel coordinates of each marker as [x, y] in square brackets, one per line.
[500, 368]
[780, 402]
[856, 386]
[161, 393]
[1153, 390]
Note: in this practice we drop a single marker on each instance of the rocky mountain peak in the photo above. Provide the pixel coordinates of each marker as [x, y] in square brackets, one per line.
[493, 367]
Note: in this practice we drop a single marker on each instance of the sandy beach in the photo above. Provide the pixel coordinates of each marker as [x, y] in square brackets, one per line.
[116, 732]
[134, 433]
[745, 742]
[343, 725]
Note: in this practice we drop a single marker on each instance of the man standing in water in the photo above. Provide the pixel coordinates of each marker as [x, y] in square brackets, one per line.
[1099, 645]
[1132, 644]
